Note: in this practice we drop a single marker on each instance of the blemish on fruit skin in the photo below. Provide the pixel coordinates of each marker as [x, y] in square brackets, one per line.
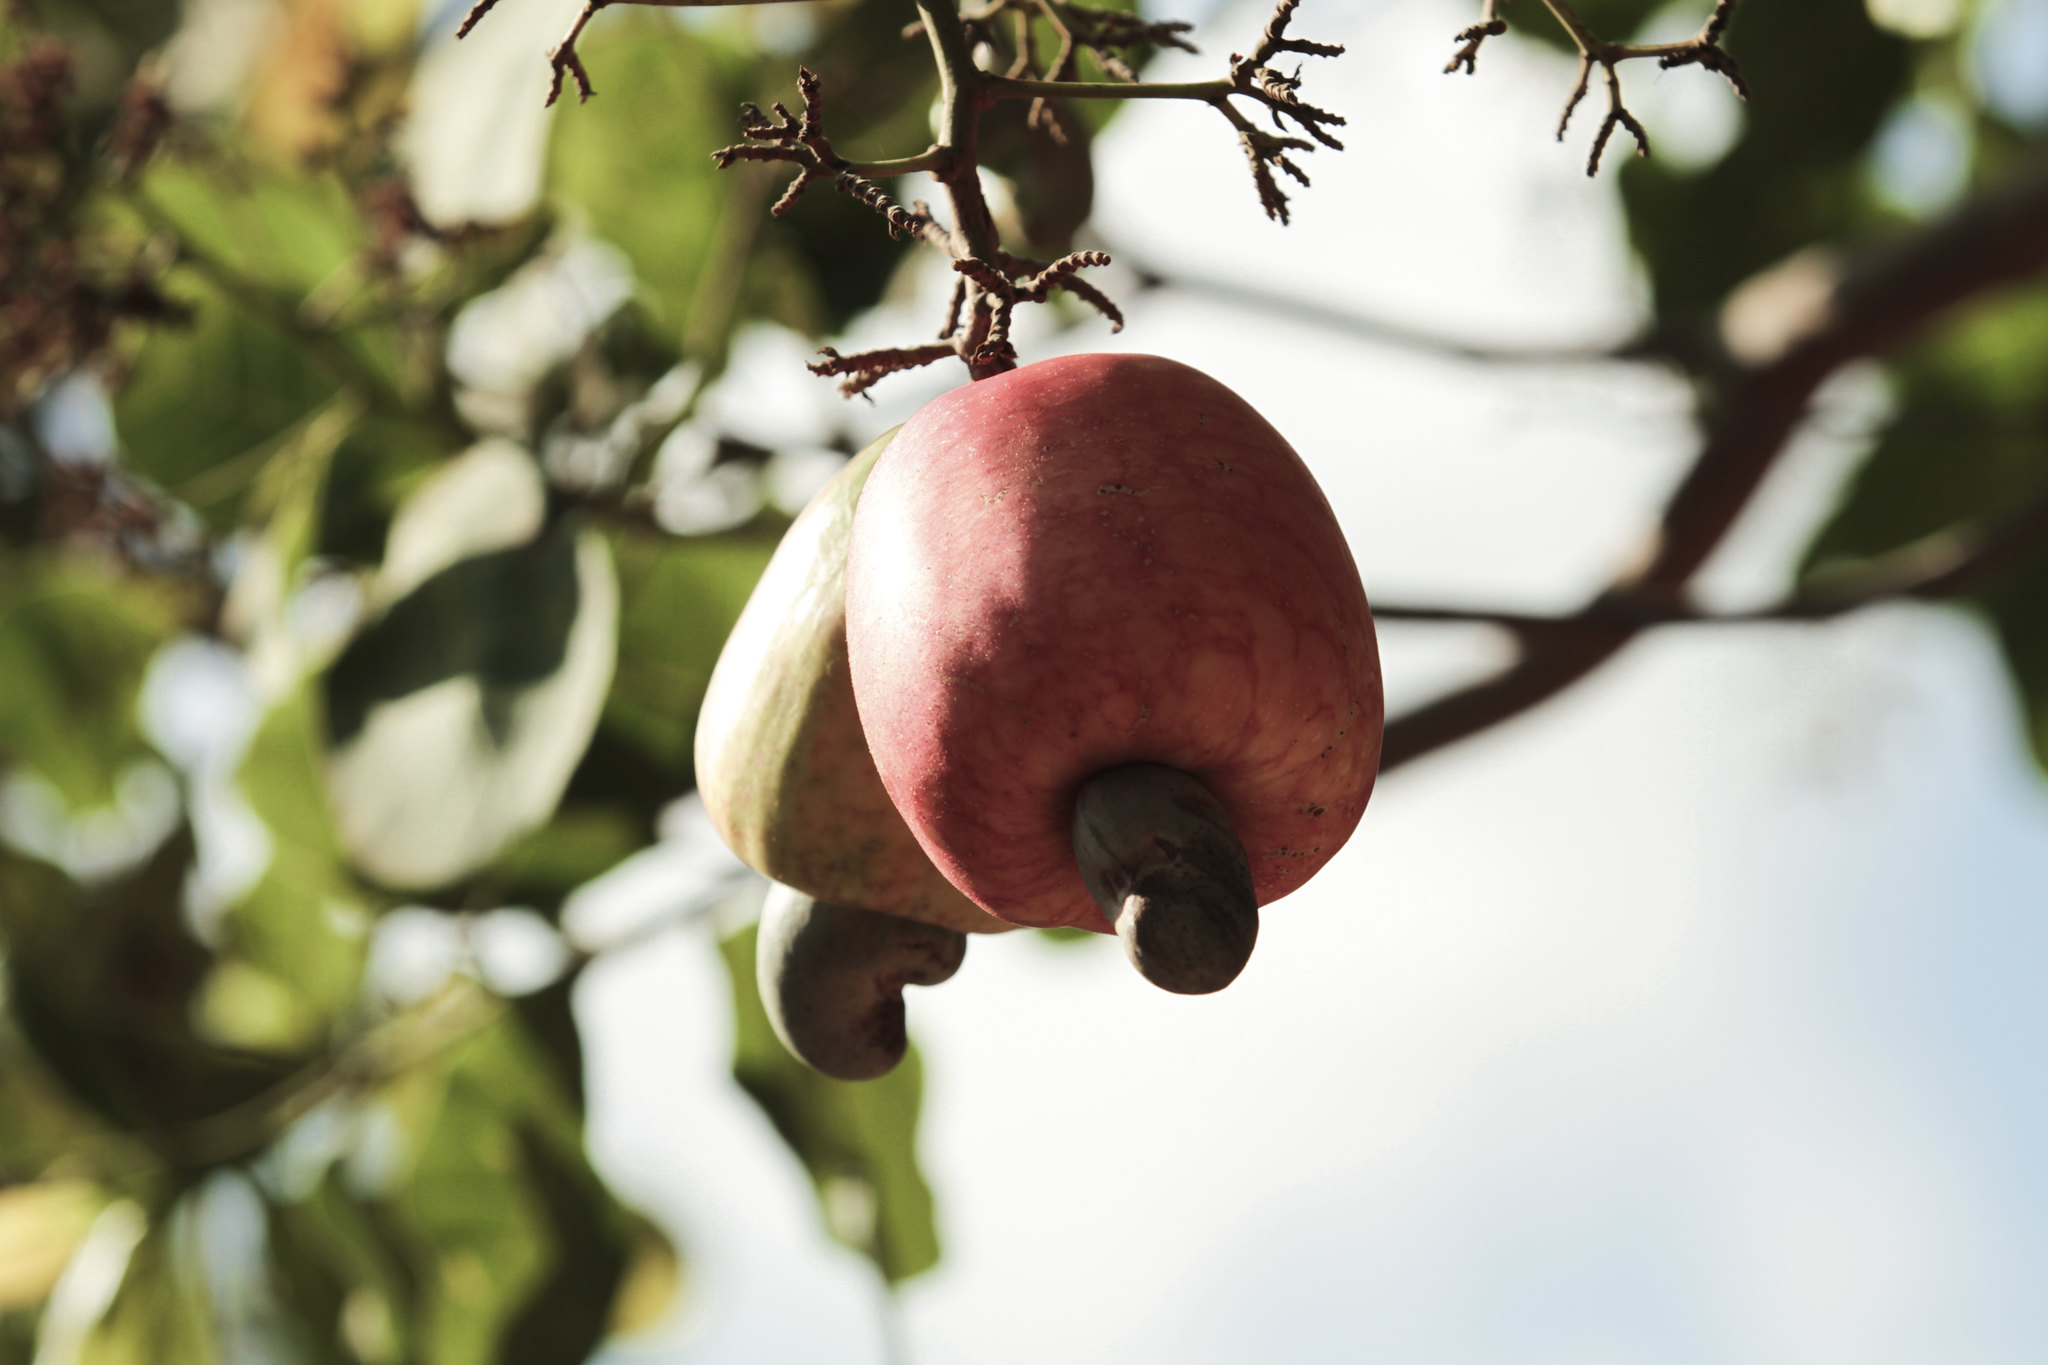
[1297, 852]
[973, 686]
[1118, 488]
[1311, 811]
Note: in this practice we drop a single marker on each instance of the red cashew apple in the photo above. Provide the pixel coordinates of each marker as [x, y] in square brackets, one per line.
[1112, 656]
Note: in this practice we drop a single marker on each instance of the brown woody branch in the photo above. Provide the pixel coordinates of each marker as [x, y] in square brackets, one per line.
[1890, 294]
[1947, 563]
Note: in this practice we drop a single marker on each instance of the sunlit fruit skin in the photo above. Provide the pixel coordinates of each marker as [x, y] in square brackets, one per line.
[1094, 561]
[781, 763]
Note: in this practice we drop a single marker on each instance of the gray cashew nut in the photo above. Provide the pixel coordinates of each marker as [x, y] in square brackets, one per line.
[832, 977]
[1160, 858]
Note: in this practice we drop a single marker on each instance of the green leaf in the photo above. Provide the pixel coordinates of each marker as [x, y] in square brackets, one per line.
[458, 715]
[1052, 181]
[636, 162]
[529, 1248]
[101, 981]
[858, 1139]
[208, 399]
[1824, 78]
[305, 922]
[1970, 439]
[581, 842]
[287, 230]
[161, 1311]
[341, 1265]
[75, 640]
[44, 1130]
[679, 598]
[1614, 20]
[486, 1237]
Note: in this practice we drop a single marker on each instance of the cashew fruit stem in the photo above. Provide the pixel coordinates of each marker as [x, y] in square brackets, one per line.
[1159, 856]
[832, 978]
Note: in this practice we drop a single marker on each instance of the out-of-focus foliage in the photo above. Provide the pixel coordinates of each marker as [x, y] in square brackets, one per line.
[406, 479]
[854, 1137]
[1969, 440]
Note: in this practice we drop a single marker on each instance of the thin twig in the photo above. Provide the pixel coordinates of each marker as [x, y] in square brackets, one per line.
[1648, 347]
[1702, 49]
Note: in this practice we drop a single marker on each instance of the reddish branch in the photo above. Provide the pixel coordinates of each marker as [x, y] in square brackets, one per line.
[1887, 296]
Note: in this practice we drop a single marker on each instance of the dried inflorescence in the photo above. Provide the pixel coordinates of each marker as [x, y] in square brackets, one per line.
[58, 303]
[1702, 49]
[800, 141]
[984, 55]
[977, 327]
[1255, 77]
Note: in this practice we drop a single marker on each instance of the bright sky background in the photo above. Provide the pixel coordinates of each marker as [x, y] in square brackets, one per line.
[1693, 1018]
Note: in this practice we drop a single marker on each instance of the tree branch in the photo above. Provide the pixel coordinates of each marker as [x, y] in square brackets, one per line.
[1947, 563]
[1648, 347]
[1888, 295]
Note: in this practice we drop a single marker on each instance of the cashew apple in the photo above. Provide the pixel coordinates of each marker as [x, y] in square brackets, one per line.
[1110, 569]
[781, 763]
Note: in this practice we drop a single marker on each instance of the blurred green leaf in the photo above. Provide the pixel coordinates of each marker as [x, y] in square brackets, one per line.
[1970, 439]
[457, 716]
[518, 1247]
[102, 979]
[858, 1139]
[75, 640]
[1614, 20]
[1052, 181]
[17, 1336]
[581, 842]
[679, 598]
[44, 1131]
[207, 399]
[161, 1311]
[305, 922]
[636, 162]
[1824, 77]
[285, 230]
[341, 1265]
